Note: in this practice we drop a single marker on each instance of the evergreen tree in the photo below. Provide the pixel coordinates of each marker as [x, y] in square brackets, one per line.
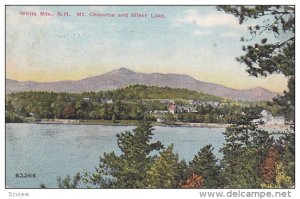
[286, 148]
[205, 165]
[244, 150]
[128, 170]
[164, 170]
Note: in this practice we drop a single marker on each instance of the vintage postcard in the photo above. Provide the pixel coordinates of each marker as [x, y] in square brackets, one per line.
[150, 97]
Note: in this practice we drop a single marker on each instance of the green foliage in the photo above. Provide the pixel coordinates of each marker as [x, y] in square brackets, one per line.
[164, 171]
[129, 170]
[130, 103]
[205, 164]
[244, 149]
[286, 147]
[155, 92]
[92, 106]
[274, 53]
[68, 183]
[282, 179]
[12, 117]
[138, 166]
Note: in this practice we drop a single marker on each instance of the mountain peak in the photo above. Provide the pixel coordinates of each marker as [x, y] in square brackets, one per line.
[122, 70]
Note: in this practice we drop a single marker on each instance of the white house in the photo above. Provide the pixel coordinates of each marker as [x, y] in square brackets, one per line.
[107, 101]
[268, 119]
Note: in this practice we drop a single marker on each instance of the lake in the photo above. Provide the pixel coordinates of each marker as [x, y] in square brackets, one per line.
[51, 150]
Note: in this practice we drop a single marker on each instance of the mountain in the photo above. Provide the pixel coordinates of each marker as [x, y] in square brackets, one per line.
[123, 77]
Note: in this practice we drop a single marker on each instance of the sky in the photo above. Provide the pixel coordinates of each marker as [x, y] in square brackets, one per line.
[198, 41]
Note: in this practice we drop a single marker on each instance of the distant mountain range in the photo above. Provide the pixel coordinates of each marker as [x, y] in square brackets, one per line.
[123, 77]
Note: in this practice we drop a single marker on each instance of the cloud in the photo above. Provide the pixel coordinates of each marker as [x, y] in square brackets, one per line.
[210, 20]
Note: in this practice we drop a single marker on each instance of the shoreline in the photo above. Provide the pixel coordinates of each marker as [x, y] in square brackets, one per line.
[136, 122]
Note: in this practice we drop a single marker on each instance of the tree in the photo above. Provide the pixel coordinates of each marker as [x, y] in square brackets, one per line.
[244, 149]
[205, 165]
[128, 170]
[164, 170]
[68, 112]
[286, 151]
[282, 180]
[268, 167]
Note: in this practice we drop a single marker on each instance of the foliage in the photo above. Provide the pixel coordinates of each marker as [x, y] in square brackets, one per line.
[129, 170]
[250, 156]
[286, 150]
[268, 166]
[68, 183]
[154, 92]
[12, 117]
[244, 149]
[282, 180]
[164, 171]
[205, 165]
[130, 103]
[271, 49]
[193, 182]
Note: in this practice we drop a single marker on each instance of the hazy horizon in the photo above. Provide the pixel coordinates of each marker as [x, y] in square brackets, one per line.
[137, 72]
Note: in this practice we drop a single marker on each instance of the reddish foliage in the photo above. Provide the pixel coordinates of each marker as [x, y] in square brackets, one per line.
[68, 112]
[268, 166]
[194, 181]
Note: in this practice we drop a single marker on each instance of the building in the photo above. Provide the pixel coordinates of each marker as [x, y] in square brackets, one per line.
[107, 101]
[184, 109]
[268, 119]
[173, 109]
[213, 103]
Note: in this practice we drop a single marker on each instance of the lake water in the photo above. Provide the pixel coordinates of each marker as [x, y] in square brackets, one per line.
[51, 150]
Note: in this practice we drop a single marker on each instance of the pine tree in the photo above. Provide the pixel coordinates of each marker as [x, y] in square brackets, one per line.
[205, 165]
[128, 170]
[244, 149]
[164, 171]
